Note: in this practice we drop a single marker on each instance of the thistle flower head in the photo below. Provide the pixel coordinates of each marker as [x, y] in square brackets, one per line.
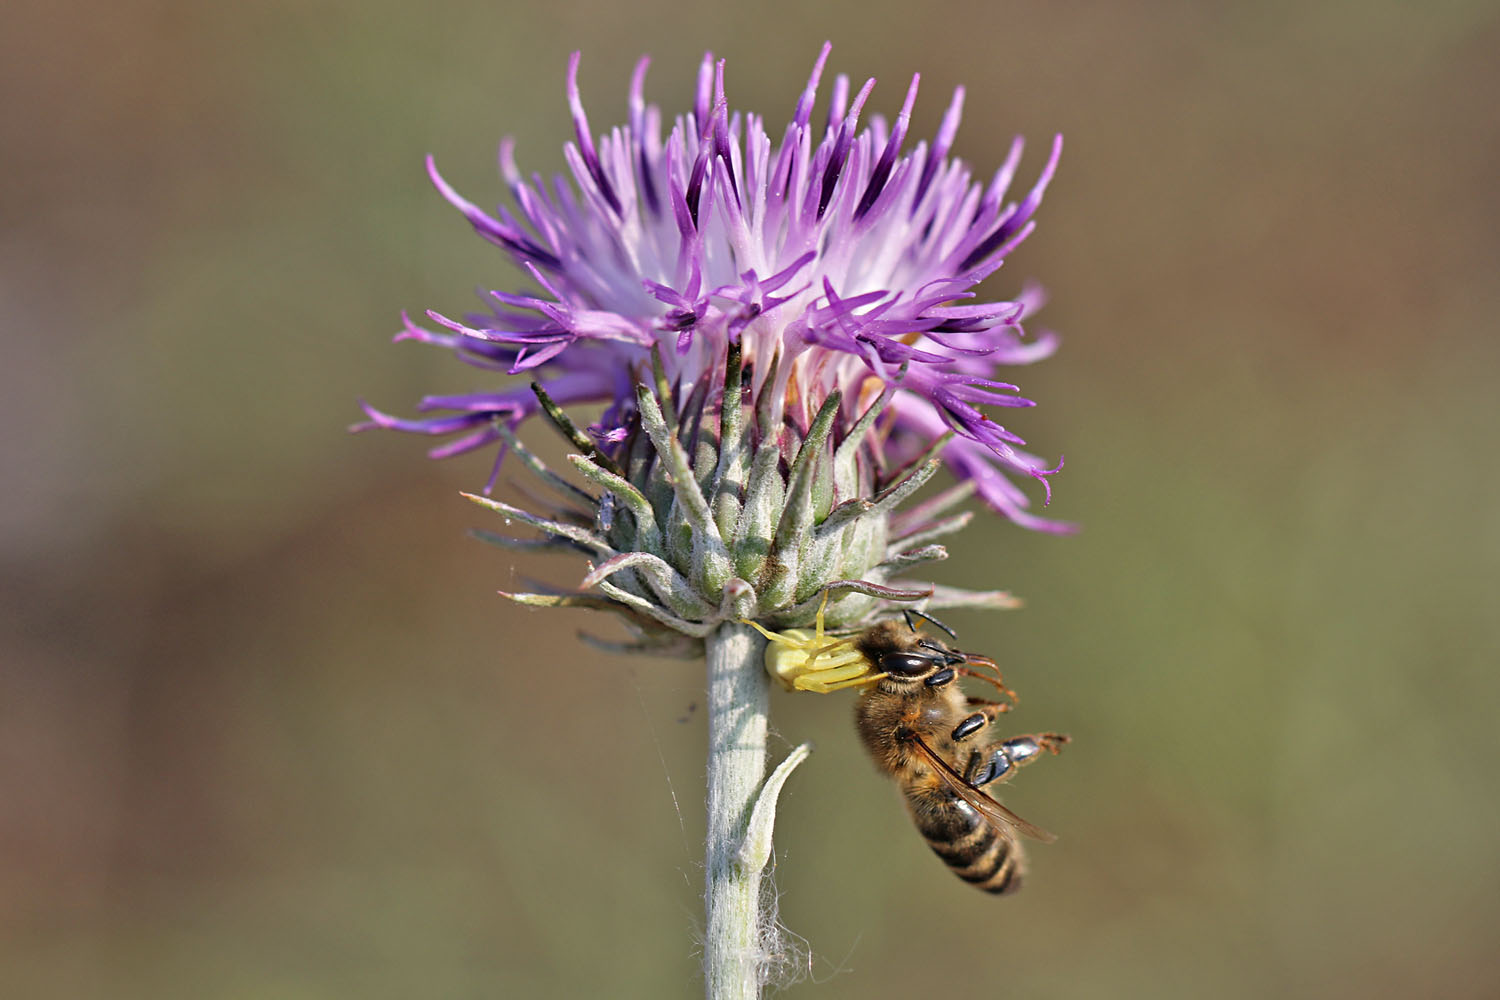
[823, 285]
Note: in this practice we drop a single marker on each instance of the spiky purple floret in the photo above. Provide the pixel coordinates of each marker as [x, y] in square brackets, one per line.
[848, 259]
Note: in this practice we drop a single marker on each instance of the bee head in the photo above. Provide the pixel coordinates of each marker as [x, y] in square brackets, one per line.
[906, 657]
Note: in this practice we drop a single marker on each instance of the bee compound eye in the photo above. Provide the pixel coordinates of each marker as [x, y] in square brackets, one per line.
[1021, 748]
[906, 664]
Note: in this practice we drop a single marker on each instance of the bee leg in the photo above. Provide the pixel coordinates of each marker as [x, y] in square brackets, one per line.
[1052, 742]
[974, 660]
[1025, 749]
[973, 723]
[998, 684]
[969, 726]
[999, 762]
[987, 764]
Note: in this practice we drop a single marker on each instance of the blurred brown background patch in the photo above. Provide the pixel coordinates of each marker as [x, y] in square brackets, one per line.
[266, 731]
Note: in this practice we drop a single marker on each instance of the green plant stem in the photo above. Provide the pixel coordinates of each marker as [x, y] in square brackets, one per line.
[737, 704]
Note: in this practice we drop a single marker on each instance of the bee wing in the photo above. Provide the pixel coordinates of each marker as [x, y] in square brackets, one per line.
[991, 810]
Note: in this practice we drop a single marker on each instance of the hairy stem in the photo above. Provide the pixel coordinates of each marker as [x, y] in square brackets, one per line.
[737, 702]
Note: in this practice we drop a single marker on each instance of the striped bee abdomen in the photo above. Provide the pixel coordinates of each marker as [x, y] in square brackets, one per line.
[977, 852]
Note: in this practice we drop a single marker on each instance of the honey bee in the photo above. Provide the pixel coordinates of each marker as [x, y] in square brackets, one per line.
[926, 733]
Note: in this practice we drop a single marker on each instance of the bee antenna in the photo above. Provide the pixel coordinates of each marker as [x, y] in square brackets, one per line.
[941, 653]
[911, 613]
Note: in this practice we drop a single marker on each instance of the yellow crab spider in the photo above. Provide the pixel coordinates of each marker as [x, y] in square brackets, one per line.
[804, 660]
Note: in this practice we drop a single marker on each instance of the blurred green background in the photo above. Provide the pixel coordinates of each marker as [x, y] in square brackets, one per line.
[265, 730]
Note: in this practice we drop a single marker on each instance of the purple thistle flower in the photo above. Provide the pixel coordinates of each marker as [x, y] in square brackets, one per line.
[836, 261]
[788, 345]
